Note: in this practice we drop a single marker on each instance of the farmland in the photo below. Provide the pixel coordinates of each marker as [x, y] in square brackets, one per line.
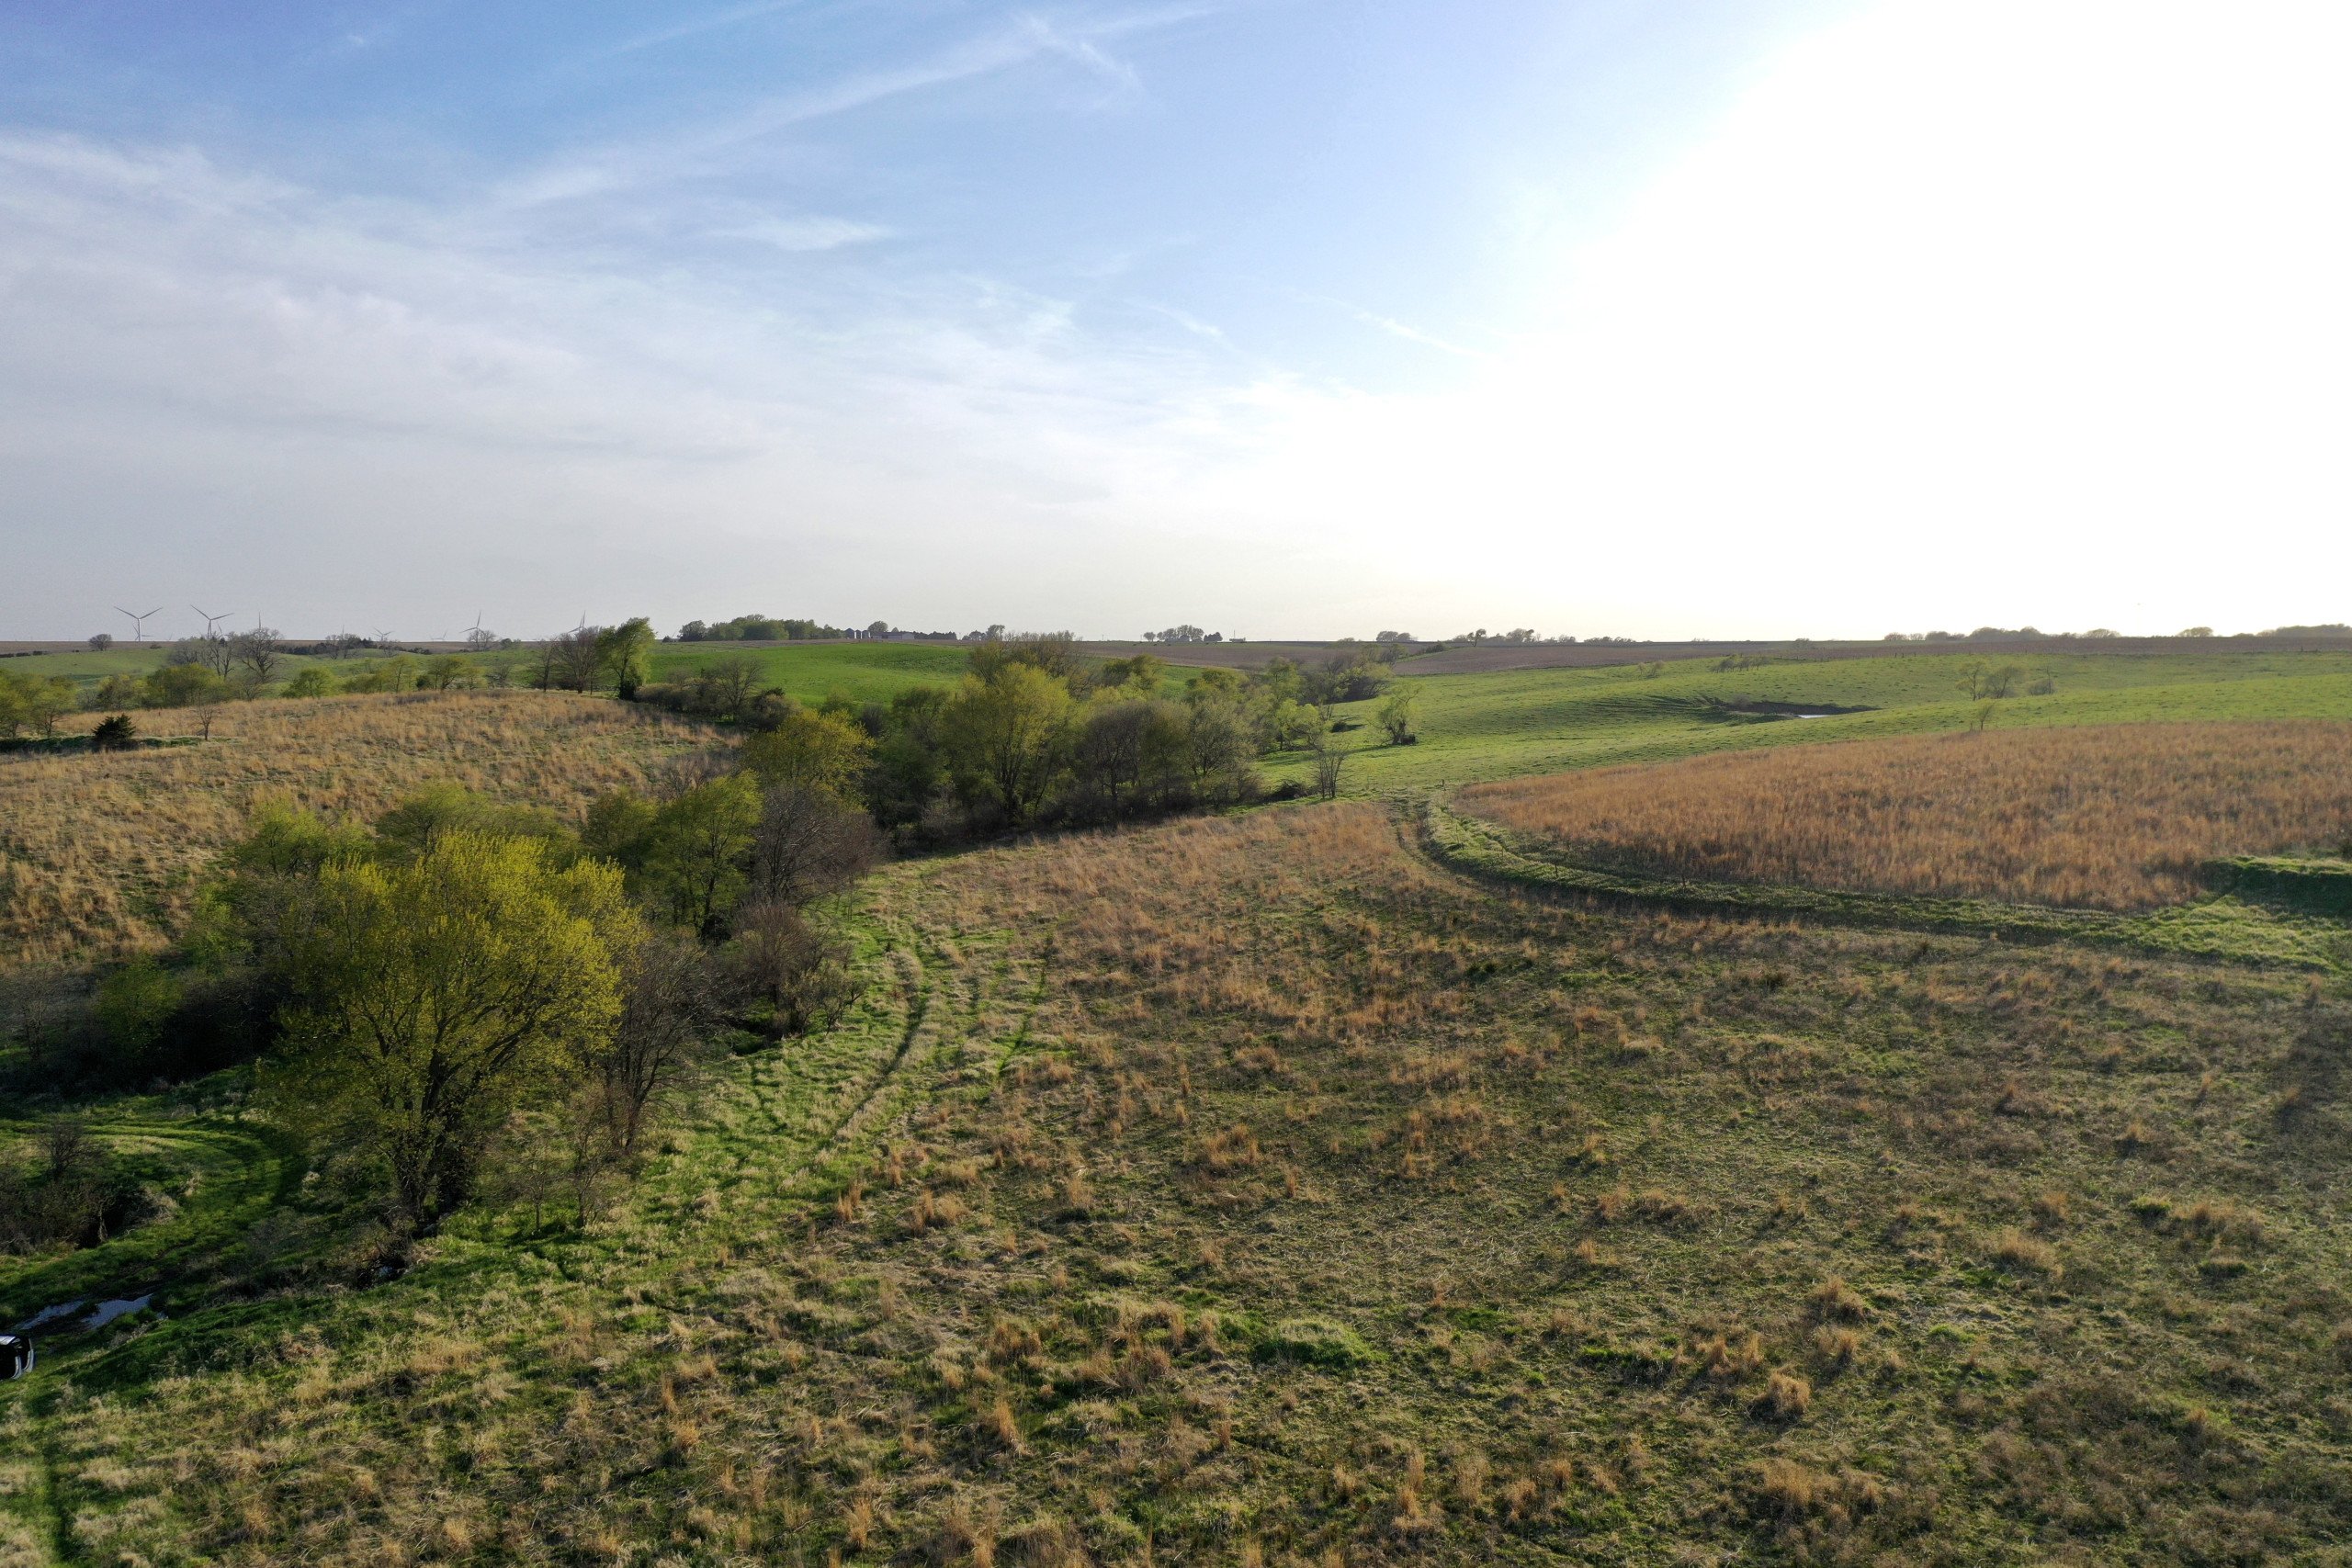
[103, 854]
[2108, 816]
[1253, 1190]
[1260, 1187]
[1499, 725]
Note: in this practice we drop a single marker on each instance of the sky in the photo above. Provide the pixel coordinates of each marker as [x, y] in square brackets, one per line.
[1286, 318]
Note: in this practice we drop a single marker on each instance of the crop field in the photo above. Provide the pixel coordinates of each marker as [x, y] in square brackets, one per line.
[2117, 817]
[100, 853]
[1506, 722]
[1251, 1190]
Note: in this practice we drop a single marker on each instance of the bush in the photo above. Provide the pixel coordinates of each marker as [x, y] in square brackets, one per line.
[116, 733]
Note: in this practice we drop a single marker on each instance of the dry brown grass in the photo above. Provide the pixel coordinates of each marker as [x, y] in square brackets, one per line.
[2113, 816]
[101, 853]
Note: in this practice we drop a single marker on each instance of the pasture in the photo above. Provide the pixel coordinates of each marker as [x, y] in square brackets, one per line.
[1255, 1190]
[1499, 725]
[1260, 1188]
[811, 672]
[2107, 817]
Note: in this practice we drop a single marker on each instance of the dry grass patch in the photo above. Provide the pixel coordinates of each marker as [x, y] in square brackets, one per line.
[2115, 816]
[101, 853]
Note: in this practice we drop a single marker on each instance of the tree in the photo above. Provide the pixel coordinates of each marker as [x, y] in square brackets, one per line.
[256, 655]
[698, 851]
[117, 692]
[1006, 733]
[779, 956]
[114, 734]
[625, 655]
[1216, 746]
[723, 688]
[210, 651]
[667, 1007]
[184, 685]
[810, 751]
[1123, 745]
[809, 843]
[33, 701]
[101, 641]
[1140, 675]
[619, 827]
[1329, 758]
[1396, 716]
[434, 996]
[445, 670]
[424, 819]
[1055, 653]
[310, 681]
[571, 662]
[2198, 631]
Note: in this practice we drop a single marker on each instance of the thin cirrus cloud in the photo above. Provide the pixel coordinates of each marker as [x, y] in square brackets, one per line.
[1996, 311]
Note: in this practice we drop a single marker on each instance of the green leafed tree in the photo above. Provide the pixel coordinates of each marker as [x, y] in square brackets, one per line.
[1006, 734]
[436, 997]
[812, 750]
[698, 851]
[625, 655]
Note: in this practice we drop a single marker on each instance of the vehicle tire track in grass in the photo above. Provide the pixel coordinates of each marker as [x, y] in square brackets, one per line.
[916, 980]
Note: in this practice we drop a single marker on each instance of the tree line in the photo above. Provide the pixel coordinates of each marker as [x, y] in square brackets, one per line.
[1036, 735]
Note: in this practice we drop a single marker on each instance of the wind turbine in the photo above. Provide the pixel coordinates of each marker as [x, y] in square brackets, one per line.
[212, 622]
[139, 623]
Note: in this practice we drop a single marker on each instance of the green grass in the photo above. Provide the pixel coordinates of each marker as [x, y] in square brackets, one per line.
[862, 672]
[1494, 726]
[1516, 1181]
[1507, 1167]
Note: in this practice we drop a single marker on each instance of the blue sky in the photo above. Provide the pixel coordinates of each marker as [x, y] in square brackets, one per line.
[1287, 316]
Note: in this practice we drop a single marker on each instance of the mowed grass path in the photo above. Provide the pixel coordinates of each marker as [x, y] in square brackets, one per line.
[1497, 726]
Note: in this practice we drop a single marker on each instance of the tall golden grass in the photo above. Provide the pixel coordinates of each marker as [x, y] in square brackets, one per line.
[2111, 816]
[102, 853]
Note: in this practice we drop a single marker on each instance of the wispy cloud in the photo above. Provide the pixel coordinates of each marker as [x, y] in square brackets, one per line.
[809, 233]
[732, 16]
[1021, 39]
[1404, 331]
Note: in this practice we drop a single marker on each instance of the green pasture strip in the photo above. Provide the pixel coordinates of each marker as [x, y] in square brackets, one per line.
[862, 672]
[1503, 725]
[2225, 928]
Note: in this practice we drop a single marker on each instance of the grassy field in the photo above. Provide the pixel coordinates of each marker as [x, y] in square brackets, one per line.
[101, 854]
[1265, 1190]
[2101, 817]
[1255, 1191]
[1497, 724]
[862, 672]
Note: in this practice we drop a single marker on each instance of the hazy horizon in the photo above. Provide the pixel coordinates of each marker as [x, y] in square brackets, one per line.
[1280, 317]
